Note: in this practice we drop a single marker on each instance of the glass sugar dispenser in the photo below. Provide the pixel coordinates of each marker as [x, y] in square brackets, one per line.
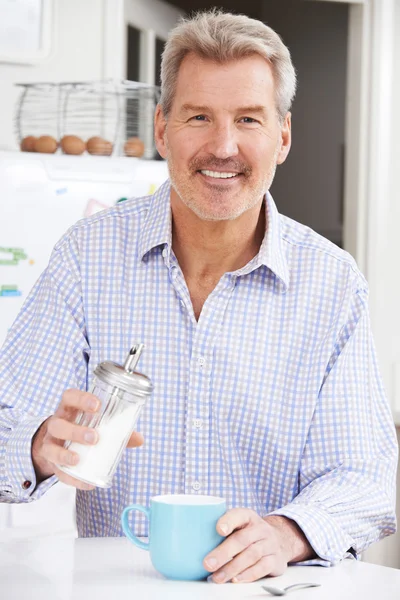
[122, 392]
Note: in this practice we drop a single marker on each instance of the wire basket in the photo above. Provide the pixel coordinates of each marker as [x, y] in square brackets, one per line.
[109, 118]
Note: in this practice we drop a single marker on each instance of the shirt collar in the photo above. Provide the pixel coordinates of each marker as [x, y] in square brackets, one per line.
[271, 252]
[157, 231]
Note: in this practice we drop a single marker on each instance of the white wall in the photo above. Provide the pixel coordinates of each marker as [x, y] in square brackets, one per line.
[161, 15]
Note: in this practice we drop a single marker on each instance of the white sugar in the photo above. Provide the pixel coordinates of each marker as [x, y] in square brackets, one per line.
[96, 462]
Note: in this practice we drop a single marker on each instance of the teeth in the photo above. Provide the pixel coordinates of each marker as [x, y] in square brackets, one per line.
[218, 174]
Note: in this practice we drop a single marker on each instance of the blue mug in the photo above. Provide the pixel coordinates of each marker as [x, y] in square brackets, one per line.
[182, 532]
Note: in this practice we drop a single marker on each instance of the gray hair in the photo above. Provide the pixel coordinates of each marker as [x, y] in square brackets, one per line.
[223, 37]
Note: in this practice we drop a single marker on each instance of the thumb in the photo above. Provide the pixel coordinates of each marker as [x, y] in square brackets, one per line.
[135, 440]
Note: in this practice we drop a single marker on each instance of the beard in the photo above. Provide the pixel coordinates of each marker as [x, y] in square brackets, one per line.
[214, 202]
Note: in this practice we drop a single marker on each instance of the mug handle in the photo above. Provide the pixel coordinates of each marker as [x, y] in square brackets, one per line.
[125, 525]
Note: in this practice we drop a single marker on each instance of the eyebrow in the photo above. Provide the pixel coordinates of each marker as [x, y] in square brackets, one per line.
[194, 108]
[254, 109]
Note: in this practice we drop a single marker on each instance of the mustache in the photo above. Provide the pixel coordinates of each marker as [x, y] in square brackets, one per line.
[215, 164]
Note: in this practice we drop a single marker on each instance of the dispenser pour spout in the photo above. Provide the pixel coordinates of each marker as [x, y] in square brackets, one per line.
[133, 357]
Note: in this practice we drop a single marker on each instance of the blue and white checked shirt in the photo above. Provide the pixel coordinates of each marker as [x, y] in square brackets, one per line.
[272, 399]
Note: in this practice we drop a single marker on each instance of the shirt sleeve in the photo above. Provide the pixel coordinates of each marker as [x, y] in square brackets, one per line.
[46, 352]
[347, 475]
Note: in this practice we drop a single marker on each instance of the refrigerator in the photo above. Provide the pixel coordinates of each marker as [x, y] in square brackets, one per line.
[41, 196]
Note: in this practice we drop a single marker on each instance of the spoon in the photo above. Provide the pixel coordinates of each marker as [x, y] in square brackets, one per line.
[274, 591]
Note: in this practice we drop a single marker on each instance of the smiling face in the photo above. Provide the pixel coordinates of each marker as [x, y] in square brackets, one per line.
[222, 138]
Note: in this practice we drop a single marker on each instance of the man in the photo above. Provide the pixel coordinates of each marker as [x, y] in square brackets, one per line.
[256, 329]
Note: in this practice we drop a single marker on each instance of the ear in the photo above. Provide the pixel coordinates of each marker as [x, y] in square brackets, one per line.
[160, 124]
[286, 139]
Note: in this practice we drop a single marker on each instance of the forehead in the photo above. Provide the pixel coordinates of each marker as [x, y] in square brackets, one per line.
[238, 82]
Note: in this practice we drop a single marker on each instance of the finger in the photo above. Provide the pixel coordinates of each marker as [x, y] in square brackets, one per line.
[68, 480]
[270, 566]
[243, 561]
[58, 455]
[77, 399]
[64, 430]
[135, 440]
[236, 543]
[235, 518]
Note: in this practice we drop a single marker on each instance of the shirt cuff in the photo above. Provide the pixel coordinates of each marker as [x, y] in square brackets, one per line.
[330, 543]
[20, 483]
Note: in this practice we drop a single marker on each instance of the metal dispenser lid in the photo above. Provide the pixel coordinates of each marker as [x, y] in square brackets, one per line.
[125, 377]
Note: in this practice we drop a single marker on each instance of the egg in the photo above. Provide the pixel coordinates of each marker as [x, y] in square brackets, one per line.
[134, 147]
[72, 144]
[28, 143]
[99, 146]
[46, 144]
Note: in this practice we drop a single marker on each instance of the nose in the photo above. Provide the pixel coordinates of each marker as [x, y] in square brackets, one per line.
[223, 141]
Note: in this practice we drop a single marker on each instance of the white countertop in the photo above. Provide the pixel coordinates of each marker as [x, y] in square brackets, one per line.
[113, 569]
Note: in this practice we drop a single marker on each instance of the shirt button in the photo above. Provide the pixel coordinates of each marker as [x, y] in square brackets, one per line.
[196, 486]
[26, 485]
[164, 252]
[201, 361]
[198, 423]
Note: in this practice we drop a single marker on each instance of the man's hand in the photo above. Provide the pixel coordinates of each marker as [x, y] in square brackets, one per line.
[255, 547]
[48, 443]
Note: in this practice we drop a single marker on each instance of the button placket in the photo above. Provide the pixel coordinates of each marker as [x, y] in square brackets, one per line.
[197, 455]
[181, 290]
[198, 450]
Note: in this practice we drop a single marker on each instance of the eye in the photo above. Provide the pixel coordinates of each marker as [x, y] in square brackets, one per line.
[248, 120]
[199, 118]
